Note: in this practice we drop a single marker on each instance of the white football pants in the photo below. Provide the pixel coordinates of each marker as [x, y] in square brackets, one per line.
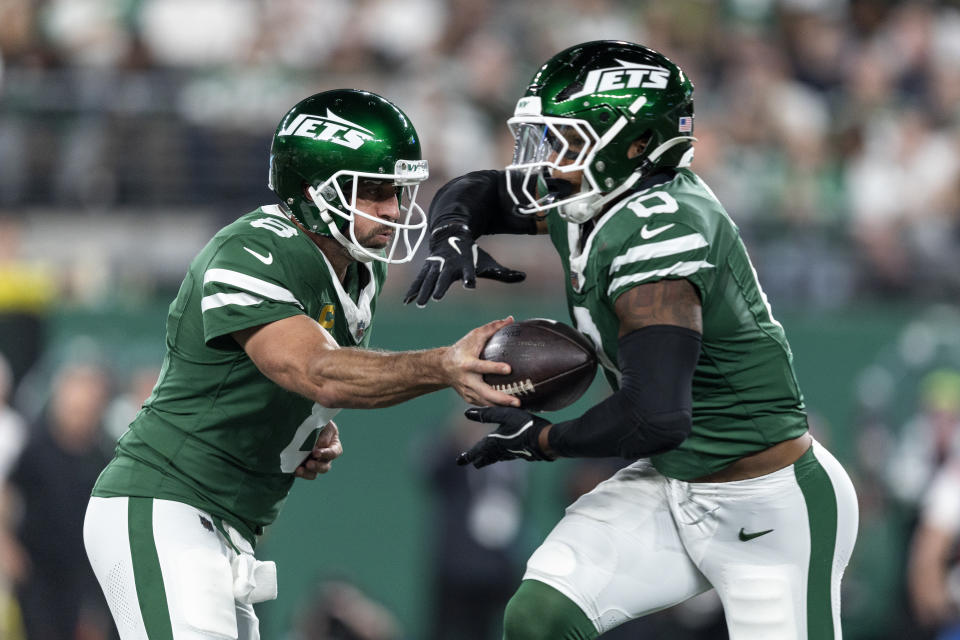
[774, 548]
[169, 573]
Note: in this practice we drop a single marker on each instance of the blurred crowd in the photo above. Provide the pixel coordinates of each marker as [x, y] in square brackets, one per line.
[829, 128]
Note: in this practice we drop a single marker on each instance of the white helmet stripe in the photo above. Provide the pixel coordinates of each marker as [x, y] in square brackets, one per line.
[620, 123]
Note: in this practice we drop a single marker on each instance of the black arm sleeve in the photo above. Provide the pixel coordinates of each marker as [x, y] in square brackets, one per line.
[651, 412]
[480, 200]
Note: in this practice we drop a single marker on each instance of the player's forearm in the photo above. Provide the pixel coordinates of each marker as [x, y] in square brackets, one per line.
[300, 356]
[364, 379]
[650, 413]
[479, 200]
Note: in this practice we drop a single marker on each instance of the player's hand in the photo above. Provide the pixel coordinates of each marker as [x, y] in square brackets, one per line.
[464, 369]
[326, 449]
[516, 437]
[455, 256]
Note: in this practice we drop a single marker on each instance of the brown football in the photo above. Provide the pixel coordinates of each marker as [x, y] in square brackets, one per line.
[552, 363]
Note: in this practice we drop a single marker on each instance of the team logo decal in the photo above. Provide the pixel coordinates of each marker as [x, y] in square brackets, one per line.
[332, 128]
[629, 75]
[529, 106]
[327, 316]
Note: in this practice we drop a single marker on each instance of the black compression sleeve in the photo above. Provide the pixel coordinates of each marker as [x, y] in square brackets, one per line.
[479, 199]
[651, 412]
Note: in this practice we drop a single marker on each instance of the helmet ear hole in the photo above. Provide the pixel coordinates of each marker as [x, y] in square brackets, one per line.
[639, 145]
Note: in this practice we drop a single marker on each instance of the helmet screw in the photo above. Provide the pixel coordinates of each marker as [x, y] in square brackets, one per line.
[609, 183]
[600, 165]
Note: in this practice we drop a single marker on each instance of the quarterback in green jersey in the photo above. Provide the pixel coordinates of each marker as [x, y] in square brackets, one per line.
[729, 491]
[265, 343]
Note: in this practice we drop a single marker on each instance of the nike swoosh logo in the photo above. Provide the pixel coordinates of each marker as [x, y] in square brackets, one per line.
[510, 436]
[455, 243]
[744, 536]
[646, 233]
[265, 259]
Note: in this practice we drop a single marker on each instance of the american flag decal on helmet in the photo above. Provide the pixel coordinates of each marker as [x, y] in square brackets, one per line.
[685, 124]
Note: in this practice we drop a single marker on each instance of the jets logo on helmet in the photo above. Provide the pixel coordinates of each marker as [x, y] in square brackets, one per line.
[628, 75]
[329, 144]
[603, 114]
[333, 128]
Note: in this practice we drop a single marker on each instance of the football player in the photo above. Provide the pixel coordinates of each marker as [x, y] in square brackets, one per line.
[266, 342]
[729, 490]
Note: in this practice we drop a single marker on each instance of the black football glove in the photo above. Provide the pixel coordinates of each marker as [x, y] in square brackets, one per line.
[516, 437]
[455, 256]
[464, 209]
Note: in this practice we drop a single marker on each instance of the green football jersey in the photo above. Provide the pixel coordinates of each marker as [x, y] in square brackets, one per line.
[216, 433]
[745, 391]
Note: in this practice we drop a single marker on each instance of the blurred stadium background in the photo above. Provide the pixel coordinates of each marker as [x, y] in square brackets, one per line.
[130, 130]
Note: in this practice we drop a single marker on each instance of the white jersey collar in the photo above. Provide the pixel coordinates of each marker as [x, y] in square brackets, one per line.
[358, 314]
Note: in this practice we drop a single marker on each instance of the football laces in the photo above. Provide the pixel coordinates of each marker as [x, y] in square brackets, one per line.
[518, 388]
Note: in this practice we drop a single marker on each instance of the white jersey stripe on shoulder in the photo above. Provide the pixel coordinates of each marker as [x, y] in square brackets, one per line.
[274, 210]
[251, 284]
[678, 269]
[660, 249]
[218, 300]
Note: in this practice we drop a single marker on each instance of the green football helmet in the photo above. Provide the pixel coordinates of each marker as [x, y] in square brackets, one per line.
[322, 149]
[583, 111]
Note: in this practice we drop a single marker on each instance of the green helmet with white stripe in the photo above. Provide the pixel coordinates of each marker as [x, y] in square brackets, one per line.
[584, 111]
[331, 141]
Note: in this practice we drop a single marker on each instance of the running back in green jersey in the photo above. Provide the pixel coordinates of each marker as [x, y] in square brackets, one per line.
[216, 433]
[745, 392]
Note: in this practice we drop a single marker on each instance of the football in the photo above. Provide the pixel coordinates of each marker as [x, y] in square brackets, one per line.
[552, 363]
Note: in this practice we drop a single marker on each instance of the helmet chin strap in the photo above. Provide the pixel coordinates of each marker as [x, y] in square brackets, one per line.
[355, 253]
[666, 146]
[582, 210]
[320, 200]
